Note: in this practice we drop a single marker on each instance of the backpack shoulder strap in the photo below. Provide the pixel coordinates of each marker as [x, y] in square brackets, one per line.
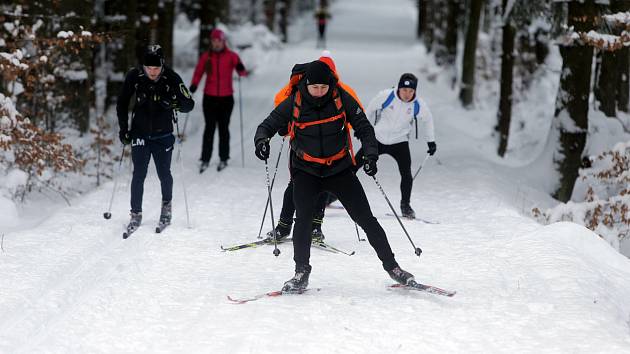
[388, 100]
[416, 111]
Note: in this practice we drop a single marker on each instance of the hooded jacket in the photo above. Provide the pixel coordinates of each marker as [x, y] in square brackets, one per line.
[218, 67]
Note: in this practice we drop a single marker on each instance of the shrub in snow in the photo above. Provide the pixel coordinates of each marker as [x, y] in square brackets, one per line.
[601, 200]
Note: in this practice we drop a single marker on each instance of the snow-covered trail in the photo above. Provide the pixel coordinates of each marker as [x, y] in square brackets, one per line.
[73, 285]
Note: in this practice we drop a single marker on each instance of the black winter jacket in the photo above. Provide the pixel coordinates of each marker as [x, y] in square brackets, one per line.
[321, 140]
[152, 114]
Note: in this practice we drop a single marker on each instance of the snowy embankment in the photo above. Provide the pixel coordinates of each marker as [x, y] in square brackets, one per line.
[72, 284]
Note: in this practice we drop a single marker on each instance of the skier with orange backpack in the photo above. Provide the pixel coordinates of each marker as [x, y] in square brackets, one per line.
[283, 229]
[319, 115]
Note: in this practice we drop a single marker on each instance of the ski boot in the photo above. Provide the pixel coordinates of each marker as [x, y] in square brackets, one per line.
[317, 236]
[165, 216]
[282, 231]
[134, 223]
[204, 166]
[401, 276]
[299, 282]
[222, 165]
[406, 211]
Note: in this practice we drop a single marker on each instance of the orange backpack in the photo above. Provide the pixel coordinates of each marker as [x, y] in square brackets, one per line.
[290, 88]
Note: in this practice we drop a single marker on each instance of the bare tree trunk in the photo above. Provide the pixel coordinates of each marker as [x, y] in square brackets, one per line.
[429, 30]
[507, 69]
[451, 32]
[210, 12]
[284, 9]
[422, 18]
[270, 14]
[571, 116]
[470, 48]
[75, 84]
[623, 63]
[606, 84]
[121, 50]
[166, 13]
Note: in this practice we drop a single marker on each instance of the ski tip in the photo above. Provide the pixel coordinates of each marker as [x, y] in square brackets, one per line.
[351, 253]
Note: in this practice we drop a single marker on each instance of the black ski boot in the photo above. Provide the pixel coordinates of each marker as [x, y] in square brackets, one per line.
[401, 276]
[204, 166]
[282, 231]
[317, 236]
[299, 282]
[165, 216]
[221, 165]
[134, 223]
[406, 210]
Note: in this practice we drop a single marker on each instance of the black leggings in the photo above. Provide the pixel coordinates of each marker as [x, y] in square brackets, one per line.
[217, 110]
[288, 207]
[345, 185]
[400, 153]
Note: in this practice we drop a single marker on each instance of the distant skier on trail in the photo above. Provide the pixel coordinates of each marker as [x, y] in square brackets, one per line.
[321, 16]
[395, 112]
[321, 114]
[158, 92]
[218, 64]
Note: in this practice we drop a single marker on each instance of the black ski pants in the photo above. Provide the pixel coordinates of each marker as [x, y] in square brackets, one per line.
[216, 111]
[141, 151]
[400, 152]
[346, 186]
[288, 207]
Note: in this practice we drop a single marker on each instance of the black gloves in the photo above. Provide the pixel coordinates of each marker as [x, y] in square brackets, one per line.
[124, 137]
[432, 148]
[262, 149]
[369, 166]
[193, 88]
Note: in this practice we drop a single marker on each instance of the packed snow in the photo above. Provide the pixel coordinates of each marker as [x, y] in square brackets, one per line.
[71, 284]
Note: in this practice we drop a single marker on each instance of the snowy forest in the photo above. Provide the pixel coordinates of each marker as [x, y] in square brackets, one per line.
[527, 195]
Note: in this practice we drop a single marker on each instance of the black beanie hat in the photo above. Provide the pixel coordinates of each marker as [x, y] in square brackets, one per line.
[408, 80]
[318, 72]
[153, 56]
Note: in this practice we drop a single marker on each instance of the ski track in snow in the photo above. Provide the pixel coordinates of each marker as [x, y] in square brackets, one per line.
[71, 284]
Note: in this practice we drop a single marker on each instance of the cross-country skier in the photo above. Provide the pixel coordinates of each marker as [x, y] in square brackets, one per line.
[395, 112]
[158, 92]
[321, 113]
[218, 64]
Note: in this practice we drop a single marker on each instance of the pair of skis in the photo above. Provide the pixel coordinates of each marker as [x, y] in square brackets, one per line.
[130, 229]
[269, 241]
[412, 286]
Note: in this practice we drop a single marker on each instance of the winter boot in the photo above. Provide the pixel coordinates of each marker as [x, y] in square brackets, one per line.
[317, 236]
[222, 165]
[282, 231]
[299, 282]
[400, 276]
[204, 166]
[406, 210]
[134, 223]
[165, 215]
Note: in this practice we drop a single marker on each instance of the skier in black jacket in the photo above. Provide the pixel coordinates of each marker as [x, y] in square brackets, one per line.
[320, 114]
[157, 91]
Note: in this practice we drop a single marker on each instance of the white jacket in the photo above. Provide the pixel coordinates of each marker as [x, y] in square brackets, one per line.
[396, 122]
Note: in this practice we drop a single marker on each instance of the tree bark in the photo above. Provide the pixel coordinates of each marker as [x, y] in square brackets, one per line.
[166, 13]
[121, 50]
[451, 32]
[422, 18]
[507, 69]
[571, 116]
[270, 14]
[470, 48]
[284, 11]
[623, 63]
[606, 84]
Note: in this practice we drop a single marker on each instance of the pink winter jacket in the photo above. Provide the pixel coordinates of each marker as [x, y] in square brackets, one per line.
[218, 66]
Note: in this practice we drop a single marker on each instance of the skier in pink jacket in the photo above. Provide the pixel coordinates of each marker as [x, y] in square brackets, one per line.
[217, 63]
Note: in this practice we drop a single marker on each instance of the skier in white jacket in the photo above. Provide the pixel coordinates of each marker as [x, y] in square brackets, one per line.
[395, 113]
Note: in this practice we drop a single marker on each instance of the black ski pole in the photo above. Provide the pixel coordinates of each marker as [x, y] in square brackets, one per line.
[181, 166]
[276, 251]
[357, 228]
[420, 168]
[240, 112]
[417, 250]
[108, 214]
[273, 181]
